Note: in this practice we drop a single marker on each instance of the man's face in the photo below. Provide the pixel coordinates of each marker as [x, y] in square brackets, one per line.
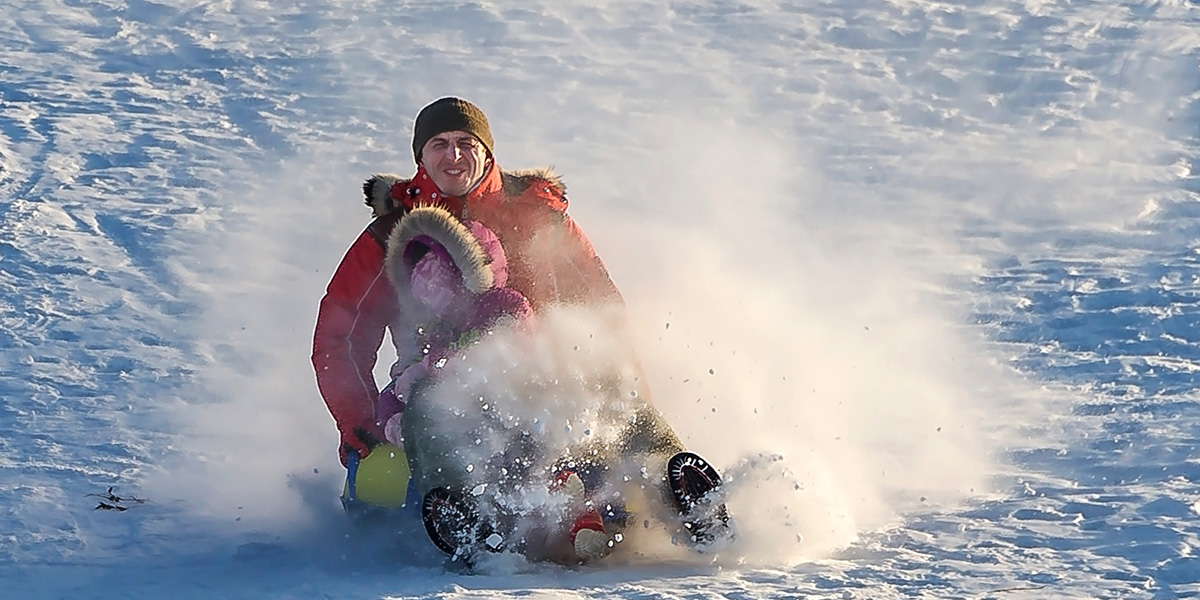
[456, 161]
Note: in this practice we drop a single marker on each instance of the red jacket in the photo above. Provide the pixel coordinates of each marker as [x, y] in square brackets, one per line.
[550, 262]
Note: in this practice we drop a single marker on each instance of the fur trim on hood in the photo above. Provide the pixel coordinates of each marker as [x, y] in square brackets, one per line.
[378, 192]
[516, 182]
[433, 224]
[378, 188]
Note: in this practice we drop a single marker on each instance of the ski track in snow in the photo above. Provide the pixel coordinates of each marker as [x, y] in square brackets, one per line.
[178, 181]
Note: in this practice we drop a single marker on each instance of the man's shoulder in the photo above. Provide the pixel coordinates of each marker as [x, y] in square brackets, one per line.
[386, 210]
[521, 181]
[378, 193]
[541, 186]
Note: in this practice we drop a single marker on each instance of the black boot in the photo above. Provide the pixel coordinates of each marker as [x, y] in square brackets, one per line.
[452, 523]
[692, 479]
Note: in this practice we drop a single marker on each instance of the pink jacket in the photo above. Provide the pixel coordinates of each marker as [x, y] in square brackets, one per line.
[452, 276]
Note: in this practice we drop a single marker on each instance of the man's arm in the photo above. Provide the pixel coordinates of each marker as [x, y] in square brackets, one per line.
[589, 283]
[351, 321]
[581, 275]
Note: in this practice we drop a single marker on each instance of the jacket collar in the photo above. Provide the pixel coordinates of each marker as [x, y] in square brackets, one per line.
[421, 191]
[384, 192]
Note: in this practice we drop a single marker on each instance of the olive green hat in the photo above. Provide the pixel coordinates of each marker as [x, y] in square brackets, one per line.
[450, 114]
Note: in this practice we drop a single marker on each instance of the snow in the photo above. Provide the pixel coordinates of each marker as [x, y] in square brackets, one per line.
[920, 277]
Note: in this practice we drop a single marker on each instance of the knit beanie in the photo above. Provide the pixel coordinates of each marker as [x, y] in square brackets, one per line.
[450, 114]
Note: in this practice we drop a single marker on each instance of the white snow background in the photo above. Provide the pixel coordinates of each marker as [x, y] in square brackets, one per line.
[922, 278]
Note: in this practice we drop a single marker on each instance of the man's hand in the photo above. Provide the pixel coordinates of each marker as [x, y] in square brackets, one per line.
[359, 440]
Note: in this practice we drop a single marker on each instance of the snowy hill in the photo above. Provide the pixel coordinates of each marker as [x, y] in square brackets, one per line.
[922, 277]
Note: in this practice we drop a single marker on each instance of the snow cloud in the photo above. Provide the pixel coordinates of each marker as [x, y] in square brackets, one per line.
[257, 450]
[794, 333]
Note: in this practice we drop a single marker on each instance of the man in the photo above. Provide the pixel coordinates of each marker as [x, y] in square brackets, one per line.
[550, 262]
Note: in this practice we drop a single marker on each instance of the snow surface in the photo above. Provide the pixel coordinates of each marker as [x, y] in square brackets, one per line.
[922, 277]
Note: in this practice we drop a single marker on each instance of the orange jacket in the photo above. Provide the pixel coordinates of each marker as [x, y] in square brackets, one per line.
[550, 262]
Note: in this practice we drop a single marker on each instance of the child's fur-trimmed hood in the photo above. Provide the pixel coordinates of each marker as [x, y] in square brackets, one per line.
[432, 224]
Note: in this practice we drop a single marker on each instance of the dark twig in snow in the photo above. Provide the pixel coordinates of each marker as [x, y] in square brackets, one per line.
[114, 501]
